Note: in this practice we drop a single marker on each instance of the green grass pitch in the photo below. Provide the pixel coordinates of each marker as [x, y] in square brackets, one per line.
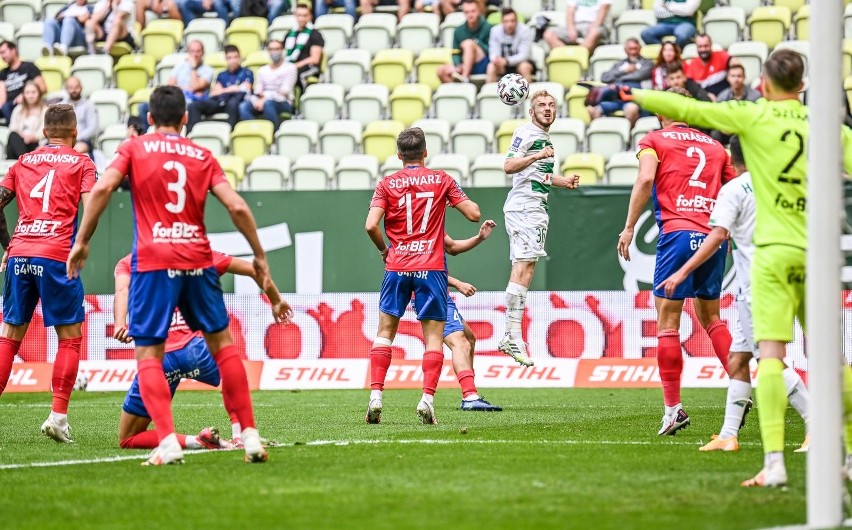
[556, 458]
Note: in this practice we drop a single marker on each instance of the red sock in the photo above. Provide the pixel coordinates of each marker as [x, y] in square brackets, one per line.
[8, 349]
[670, 362]
[433, 362]
[721, 338]
[65, 372]
[380, 361]
[235, 389]
[468, 387]
[156, 395]
[149, 439]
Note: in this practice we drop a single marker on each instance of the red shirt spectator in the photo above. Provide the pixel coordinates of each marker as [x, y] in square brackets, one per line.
[710, 68]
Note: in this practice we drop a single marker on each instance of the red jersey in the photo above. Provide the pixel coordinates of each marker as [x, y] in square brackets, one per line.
[48, 183]
[414, 200]
[711, 73]
[169, 180]
[692, 168]
[179, 332]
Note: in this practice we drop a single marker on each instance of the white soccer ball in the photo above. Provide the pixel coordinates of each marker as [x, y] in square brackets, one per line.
[513, 89]
[81, 382]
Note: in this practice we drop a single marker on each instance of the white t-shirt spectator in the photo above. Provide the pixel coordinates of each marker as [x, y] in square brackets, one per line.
[126, 6]
[515, 48]
[276, 84]
[587, 10]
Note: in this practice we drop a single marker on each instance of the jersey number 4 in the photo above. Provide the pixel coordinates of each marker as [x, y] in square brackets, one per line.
[405, 200]
[42, 190]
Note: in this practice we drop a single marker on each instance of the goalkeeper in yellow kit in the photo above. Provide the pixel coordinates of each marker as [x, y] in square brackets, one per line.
[774, 137]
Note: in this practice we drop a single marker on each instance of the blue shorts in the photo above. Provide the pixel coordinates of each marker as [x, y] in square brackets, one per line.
[673, 250]
[155, 294]
[30, 279]
[428, 287]
[481, 67]
[455, 322]
[193, 361]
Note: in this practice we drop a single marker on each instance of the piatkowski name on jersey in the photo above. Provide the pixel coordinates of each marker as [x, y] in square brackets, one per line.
[692, 168]
[48, 183]
[531, 186]
[179, 332]
[169, 180]
[735, 212]
[414, 200]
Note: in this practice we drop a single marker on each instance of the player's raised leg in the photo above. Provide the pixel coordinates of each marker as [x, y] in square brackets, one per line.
[520, 278]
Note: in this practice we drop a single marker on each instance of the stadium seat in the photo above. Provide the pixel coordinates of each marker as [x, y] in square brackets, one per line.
[589, 166]
[487, 171]
[214, 135]
[427, 64]
[746, 5]
[457, 165]
[322, 102]
[576, 100]
[356, 172]
[268, 173]
[367, 102]
[234, 168]
[295, 138]
[527, 8]
[55, 70]
[375, 32]
[505, 133]
[166, 65]
[7, 30]
[19, 12]
[134, 71]
[29, 39]
[247, 33]
[251, 139]
[472, 137]
[567, 65]
[111, 138]
[140, 96]
[631, 23]
[752, 55]
[392, 67]
[567, 136]
[417, 31]
[216, 61]
[161, 37]
[111, 104]
[802, 22]
[349, 67]
[769, 24]
[802, 47]
[554, 89]
[313, 172]
[208, 31]
[454, 101]
[392, 165]
[437, 133]
[642, 127]
[607, 136]
[49, 8]
[847, 57]
[339, 138]
[847, 22]
[254, 60]
[448, 27]
[793, 5]
[380, 138]
[650, 51]
[4, 139]
[555, 19]
[622, 169]
[281, 26]
[724, 24]
[410, 102]
[336, 30]
[604, 58]
[491, 107]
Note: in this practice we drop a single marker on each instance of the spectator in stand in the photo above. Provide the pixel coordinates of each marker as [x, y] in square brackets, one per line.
[737, 89]
[161, 8]
[321, 7]
[67, 29]
[303, 47]
[13, 78]
[510, 48]
[632, 71]
[403, 6]
[276, 9]
[111, 22]
[192, 76]
[273, 91]
[710, 68]
[674, 18]
[675, 77]
[228, 91]
[87, 116]
[27, 123]
[669, 54]
[470, 46]
[585, 20]
[192, 9]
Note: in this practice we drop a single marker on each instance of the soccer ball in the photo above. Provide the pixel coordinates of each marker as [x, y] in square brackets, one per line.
[513, 89]
[82, 381]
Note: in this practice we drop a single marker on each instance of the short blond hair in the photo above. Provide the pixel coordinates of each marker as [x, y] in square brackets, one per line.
[541, 94]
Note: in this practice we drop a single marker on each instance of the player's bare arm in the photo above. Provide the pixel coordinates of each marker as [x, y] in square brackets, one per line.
[454, 248]
[516, 165]
[638, 199]
[374, 230]
[243, 219]
[281, 310]
[470, 210]
[94, 208]
[119, 308]
[462, 287]
[561, 181]
[711, 244]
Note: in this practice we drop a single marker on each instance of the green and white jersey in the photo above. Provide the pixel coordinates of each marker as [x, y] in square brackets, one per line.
[774, 138]
[531, 186]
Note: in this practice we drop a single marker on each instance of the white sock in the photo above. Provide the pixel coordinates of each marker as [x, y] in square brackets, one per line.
[797, 392]
[673, 409]
[428, 398]
[739, 392]
[516, 298]
[375, 394]
[59, 419]
[192, 442]
[771, 458]
[471, 397]
[236, 430]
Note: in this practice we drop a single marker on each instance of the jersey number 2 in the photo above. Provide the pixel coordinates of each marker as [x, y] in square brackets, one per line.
[702, 161]
[406, 201]
[42, 190]
[177, 187]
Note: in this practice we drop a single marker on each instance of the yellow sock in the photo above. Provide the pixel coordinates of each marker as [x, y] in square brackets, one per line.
[772, 399]
[847, 406]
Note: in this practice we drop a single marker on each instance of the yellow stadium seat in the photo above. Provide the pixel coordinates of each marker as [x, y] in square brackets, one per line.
[215, 60]
[769, 24]
[576, 99]
[161, 37]
[247, 33]
[391, 67]
[410, 102]
[256, 59]
[234, 168]
[380, 138]
[589, 166]
[567, 65]
[251, 139]
[133, 72]
[651, 51]
[428, 62]
[802, 22]
[793, 5]
[55, 70]
[140, 96]
[505, 133]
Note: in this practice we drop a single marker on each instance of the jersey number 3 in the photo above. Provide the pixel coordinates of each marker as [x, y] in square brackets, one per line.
[177, 187]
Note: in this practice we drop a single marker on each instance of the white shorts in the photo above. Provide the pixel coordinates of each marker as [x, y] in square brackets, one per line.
[527, 234]
[743, 329]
